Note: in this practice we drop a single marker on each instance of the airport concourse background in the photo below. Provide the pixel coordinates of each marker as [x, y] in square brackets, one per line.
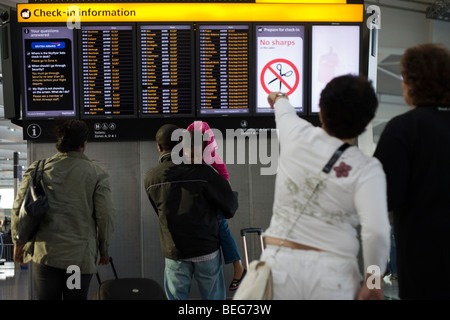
[135, 245]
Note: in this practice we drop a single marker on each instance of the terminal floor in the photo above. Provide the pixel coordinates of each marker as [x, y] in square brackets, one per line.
[16, 286]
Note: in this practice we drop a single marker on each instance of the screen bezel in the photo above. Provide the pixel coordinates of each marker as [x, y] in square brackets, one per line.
[192, 71]
[305, 73]
[219, 114]
[310, 72]
[75, 97]
[80, 68]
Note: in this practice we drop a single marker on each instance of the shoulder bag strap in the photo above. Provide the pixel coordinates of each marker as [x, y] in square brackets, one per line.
[40, 179]
[38, 172]
[335, 157]
[34, 176]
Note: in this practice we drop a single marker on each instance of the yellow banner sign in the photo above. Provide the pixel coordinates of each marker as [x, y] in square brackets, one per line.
[172, 12]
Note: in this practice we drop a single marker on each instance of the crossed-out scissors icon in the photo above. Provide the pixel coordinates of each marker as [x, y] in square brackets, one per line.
[287, 74]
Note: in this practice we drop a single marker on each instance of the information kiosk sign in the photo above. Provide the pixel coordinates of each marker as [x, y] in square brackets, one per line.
[49, 79]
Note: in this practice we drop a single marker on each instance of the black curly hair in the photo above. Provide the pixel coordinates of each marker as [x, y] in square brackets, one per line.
[347, 104]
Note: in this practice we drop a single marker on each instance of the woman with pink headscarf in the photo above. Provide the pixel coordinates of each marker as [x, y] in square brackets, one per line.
[230, 250]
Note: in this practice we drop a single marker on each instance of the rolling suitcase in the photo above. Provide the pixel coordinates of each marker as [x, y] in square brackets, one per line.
[257, 284]
[128, 288]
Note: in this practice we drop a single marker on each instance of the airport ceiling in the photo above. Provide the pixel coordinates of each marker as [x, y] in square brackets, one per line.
[11, 137]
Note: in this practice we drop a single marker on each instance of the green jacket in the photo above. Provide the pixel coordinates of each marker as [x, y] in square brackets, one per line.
[78, 226]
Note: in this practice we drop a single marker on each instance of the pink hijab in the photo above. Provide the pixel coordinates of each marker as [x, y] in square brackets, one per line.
[204, 128]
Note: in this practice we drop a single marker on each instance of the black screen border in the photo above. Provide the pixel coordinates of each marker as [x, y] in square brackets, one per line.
[310, 45]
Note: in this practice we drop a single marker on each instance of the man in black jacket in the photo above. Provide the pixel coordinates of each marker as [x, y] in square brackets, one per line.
[186, 198]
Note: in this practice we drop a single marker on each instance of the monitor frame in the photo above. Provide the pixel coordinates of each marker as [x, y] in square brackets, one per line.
[282, 61]
[48, 114]
[312, 110]
[244, 112]
[192, 71]
[134, 76]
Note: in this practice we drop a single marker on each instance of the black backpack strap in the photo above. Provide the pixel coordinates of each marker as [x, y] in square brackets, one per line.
[335, 157]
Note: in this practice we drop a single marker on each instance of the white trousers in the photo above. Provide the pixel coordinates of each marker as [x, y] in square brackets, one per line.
[313, 275]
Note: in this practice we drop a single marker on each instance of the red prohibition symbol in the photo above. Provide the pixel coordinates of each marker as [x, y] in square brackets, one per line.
[275, 67]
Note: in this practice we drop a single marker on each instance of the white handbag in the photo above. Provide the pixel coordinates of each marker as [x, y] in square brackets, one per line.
[257, 283]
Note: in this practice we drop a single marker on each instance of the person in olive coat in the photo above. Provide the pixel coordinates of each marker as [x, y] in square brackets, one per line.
[77, 228]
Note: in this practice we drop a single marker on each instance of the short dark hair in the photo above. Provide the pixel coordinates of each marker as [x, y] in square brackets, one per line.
[164, 137]
[426, 70]
[347, 104]
[70, 134]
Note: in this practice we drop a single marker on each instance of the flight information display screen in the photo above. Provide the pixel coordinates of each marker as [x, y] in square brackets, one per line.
[107, 71]
[49, 78]
[223, 69]
[335, 51]
[166, 79]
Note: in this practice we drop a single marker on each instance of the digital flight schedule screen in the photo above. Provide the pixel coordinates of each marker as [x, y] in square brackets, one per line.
[223, 69]
[49, 77]
[166, 79]
[107, 71]
[335, 52]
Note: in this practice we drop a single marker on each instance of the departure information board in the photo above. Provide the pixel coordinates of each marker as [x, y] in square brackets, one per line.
[48, 72]
[223, 69]
[166, 70]
[107, 71]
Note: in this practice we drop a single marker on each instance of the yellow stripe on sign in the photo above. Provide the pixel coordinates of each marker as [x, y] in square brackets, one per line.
[302, 1]
[196, 12]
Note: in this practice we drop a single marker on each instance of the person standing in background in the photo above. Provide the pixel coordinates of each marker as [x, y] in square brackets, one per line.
[229, 247]
[186, 198]
[78, 226]
[414, 149]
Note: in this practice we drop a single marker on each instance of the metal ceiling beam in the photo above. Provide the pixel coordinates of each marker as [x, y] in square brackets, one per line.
[439, 10]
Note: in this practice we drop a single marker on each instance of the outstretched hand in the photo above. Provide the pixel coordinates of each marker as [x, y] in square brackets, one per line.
[271, 99]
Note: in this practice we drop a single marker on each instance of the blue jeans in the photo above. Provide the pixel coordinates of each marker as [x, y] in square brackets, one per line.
[178, 276]
[230, 250]
[392, 264]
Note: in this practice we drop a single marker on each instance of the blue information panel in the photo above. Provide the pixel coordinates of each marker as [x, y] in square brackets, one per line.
[48, 64]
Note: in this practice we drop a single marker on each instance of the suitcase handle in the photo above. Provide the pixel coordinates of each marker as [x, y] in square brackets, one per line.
[113, 268]
[251, 230]
[244, 232]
